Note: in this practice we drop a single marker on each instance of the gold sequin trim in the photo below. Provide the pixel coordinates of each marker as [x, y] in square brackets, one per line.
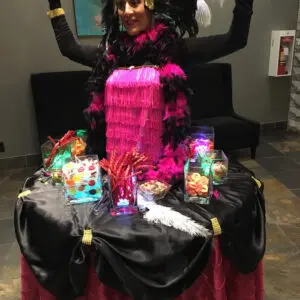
[216, 226]
[87, 237]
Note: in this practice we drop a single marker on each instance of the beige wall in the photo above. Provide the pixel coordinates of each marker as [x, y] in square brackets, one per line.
[28, 46]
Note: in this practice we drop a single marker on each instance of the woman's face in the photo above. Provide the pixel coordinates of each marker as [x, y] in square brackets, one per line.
[135, 17]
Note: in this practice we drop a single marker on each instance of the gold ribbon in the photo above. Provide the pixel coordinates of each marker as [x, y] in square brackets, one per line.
[24, 194]
[87, 237]
[216, 226]
[257, 182]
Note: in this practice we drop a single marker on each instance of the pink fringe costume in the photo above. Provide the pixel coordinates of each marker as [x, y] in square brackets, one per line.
[134, 108]
[138, 114]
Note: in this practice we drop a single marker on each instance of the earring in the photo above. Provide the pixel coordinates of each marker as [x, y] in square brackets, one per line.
[149, 4]
[121, 25]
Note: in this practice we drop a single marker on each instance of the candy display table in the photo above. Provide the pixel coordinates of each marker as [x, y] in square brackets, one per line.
[128, 255]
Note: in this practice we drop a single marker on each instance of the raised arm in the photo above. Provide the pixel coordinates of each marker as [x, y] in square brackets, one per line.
[68, 44]
[205, 49]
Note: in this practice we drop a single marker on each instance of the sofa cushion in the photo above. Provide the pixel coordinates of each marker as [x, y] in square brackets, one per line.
[59, 99]
[230, 131]
[212, 94]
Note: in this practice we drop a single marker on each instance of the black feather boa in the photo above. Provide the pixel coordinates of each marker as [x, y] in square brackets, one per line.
[156, 47]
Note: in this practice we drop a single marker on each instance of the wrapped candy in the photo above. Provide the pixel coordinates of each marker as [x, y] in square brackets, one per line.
[82, 179]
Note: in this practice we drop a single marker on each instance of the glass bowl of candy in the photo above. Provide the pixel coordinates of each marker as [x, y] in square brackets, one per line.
[197, 182]
[219, 166]
[82, 179]
[153, 190]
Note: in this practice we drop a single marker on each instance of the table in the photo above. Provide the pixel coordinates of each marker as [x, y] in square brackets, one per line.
[144, 260]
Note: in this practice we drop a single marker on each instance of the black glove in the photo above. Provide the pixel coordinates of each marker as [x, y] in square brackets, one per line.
[247, 3]
[53, 4]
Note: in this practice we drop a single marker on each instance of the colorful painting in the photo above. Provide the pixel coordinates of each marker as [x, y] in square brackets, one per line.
[88, 17]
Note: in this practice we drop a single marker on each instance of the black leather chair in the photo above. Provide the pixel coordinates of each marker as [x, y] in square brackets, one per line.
[59, 99]
[211, 105]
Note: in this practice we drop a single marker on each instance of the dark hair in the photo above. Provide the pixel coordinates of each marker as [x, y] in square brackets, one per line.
[180, 15]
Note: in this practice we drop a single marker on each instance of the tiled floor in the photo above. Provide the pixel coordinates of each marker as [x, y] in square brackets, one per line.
[277, 164]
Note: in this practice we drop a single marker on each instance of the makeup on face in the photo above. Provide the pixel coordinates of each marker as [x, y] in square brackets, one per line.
[135, 17]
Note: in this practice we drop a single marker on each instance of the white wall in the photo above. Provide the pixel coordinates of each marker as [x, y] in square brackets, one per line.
[28, 46]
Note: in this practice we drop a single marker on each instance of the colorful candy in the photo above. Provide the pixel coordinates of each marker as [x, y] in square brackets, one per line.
[197, 185]
[153, 189]
[82, 180]
[78, 147]
[219, 171]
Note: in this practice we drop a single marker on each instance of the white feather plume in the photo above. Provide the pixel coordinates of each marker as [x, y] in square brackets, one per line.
[162, 215]
[203, 14]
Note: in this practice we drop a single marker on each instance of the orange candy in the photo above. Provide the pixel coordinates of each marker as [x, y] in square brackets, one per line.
[197, 185]
[70, 182]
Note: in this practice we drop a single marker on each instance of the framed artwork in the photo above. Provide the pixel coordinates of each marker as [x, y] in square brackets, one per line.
[88, 17]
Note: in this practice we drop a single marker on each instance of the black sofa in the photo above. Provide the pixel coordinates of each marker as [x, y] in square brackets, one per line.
[211, 105]
[60, 98]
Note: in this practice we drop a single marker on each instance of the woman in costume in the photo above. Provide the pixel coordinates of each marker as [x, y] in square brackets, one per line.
[138, 87]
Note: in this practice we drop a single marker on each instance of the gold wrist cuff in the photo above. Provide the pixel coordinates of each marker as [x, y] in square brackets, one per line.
[55, 13]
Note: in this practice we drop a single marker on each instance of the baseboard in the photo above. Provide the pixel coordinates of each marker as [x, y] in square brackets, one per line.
[18, 162]
[282, 125]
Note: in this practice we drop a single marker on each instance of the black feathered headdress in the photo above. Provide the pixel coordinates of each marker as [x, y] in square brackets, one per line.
[184, 15]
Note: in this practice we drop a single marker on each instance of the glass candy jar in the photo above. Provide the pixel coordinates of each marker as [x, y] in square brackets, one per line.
[198, 181]
[219, 166]
[203, 139]
[82, 179]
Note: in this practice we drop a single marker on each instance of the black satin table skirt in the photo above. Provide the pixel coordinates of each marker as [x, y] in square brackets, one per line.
[134, 257]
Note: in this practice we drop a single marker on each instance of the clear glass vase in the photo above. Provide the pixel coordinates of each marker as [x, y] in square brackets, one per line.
[198, 181]
[82, 179]
[219, 166]
[124, 196]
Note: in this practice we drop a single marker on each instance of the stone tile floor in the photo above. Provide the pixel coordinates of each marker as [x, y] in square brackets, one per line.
[277, 164]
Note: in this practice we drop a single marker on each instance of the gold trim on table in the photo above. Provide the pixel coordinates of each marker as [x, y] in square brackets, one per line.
[216, 226]
[87, 237]
[257, 182]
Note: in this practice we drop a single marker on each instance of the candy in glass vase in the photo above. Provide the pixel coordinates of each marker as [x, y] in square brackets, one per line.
[82, 179]
[198, 181]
